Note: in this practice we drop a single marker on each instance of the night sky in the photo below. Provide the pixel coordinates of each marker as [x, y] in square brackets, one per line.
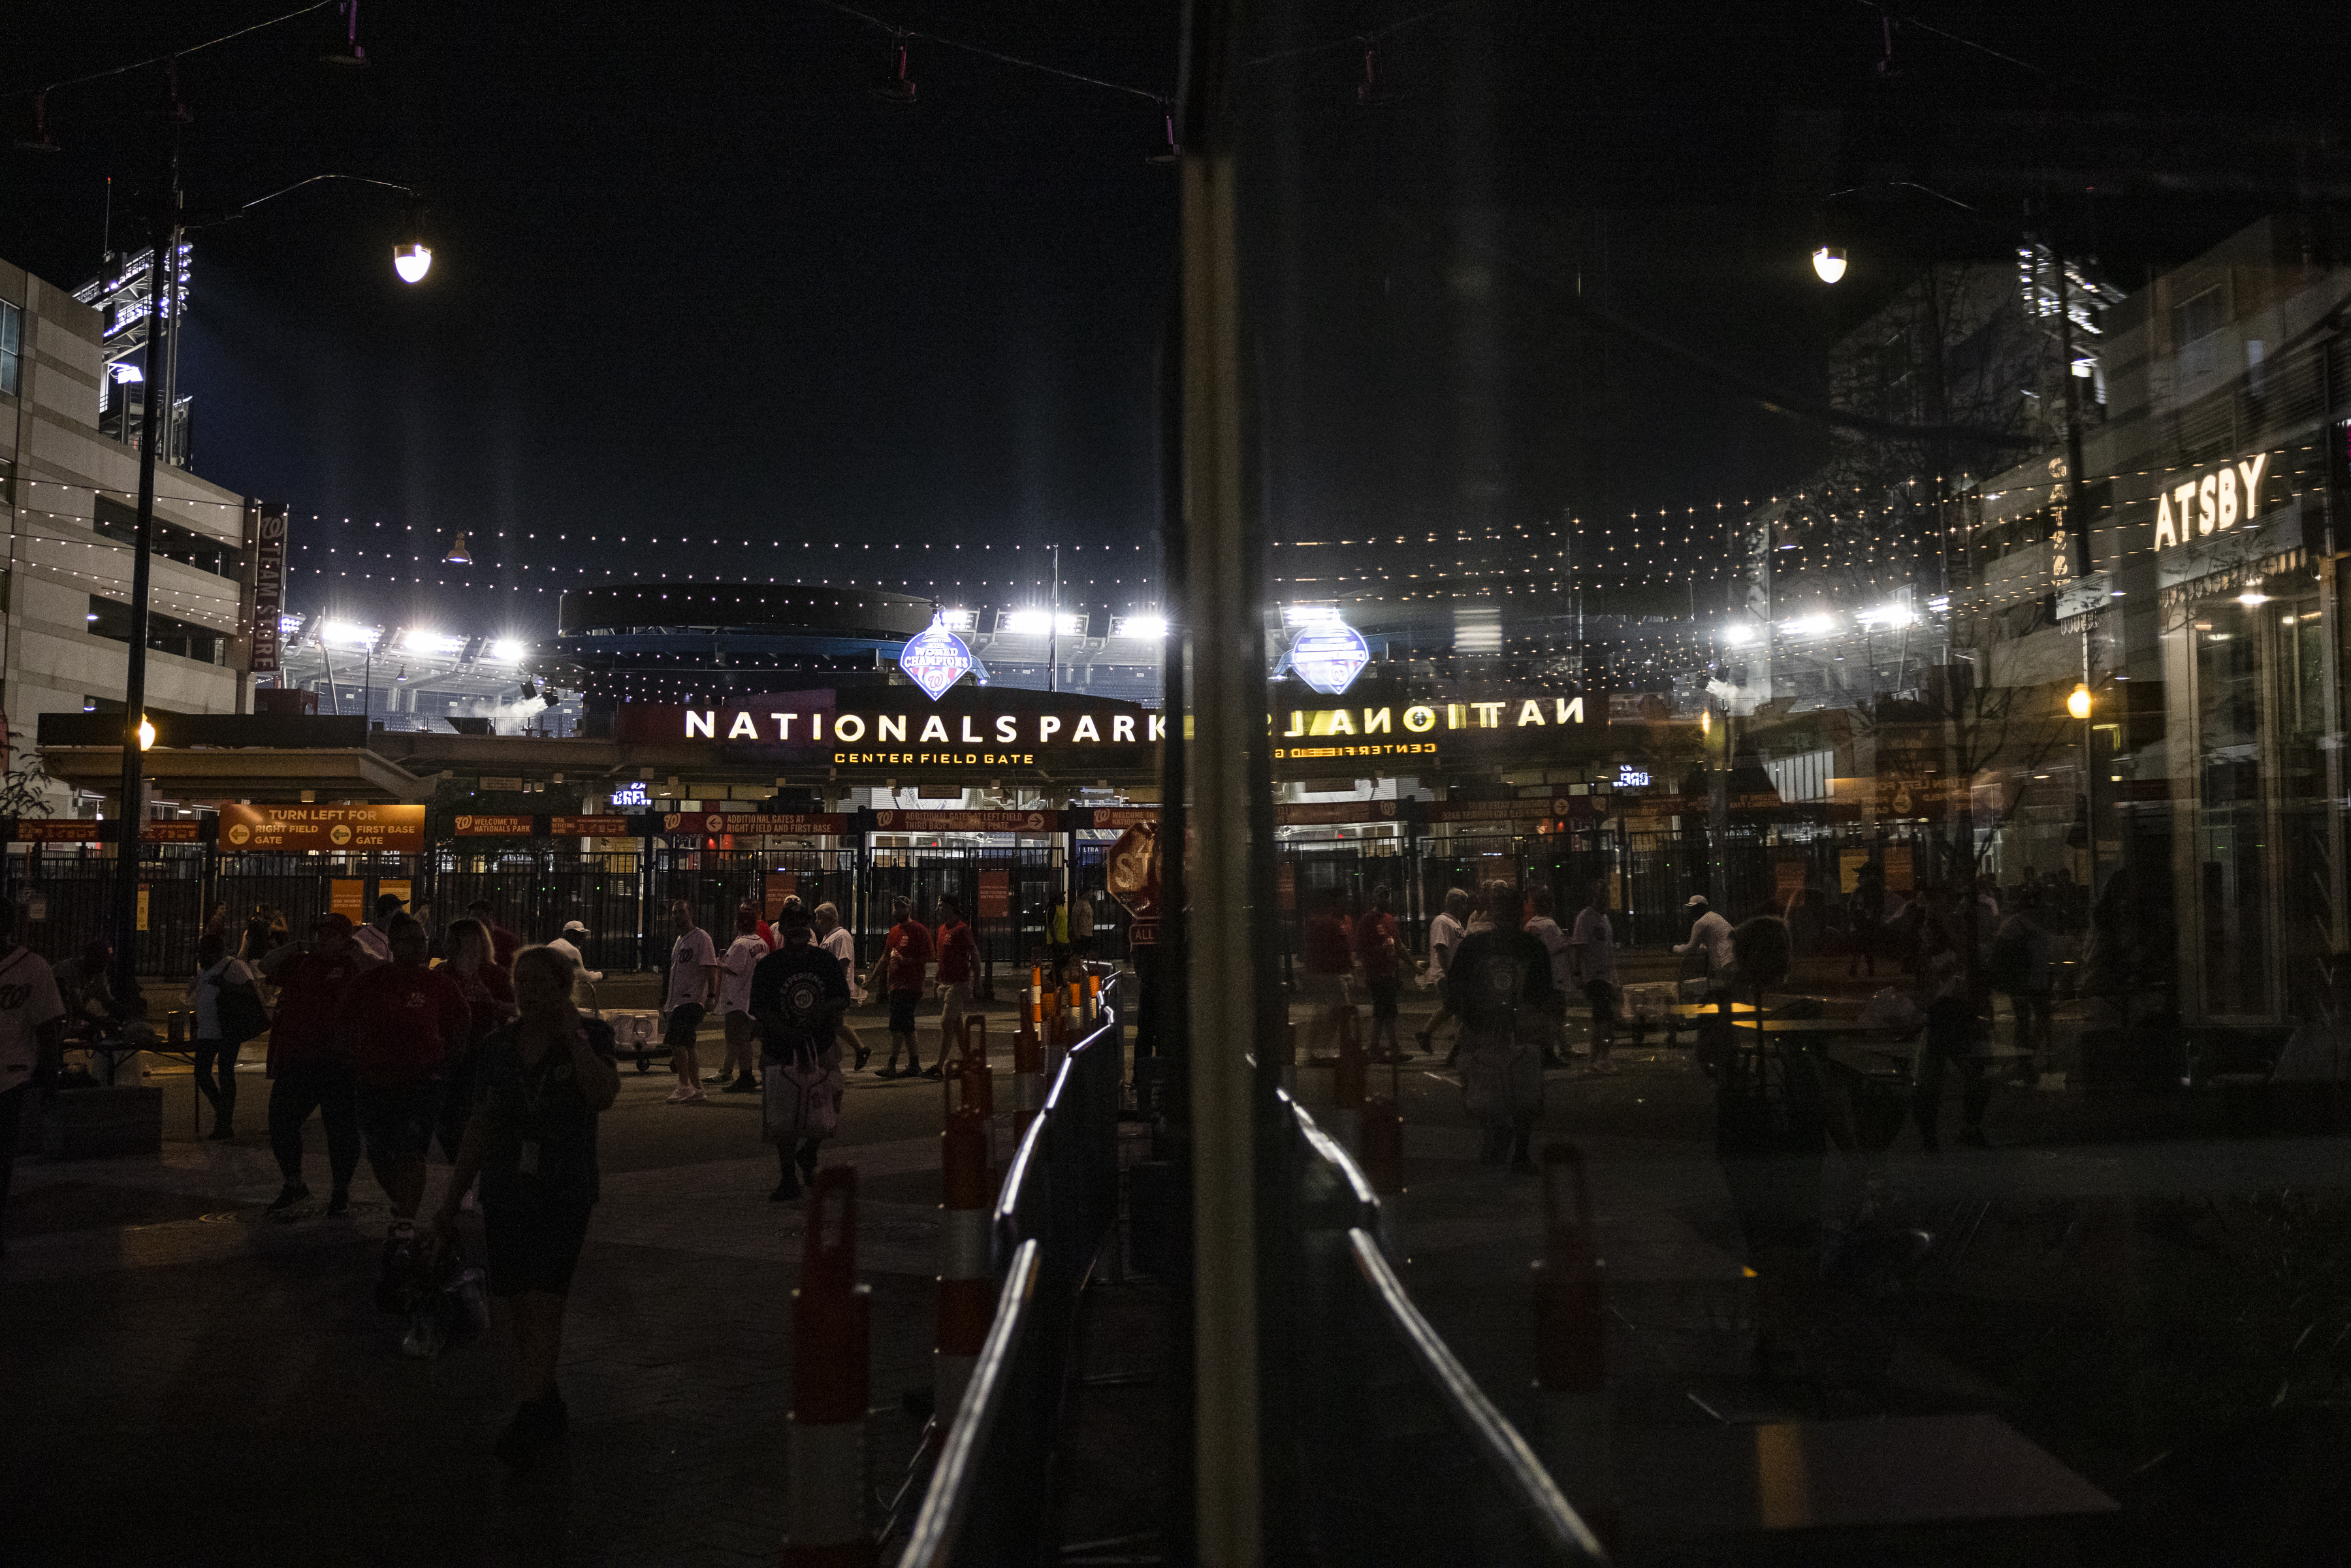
[694, 282]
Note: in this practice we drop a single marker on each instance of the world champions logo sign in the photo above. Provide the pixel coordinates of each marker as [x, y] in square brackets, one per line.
[935, 659]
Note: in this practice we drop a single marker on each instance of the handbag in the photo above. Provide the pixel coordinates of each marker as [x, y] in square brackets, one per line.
[240, 1013]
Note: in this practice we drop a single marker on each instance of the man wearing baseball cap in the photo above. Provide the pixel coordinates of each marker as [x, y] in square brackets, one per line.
[575, 933]
[1711, 934]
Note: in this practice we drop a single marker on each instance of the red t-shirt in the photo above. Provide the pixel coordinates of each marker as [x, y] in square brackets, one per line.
[909, 946]
[404, 1024]
[309, 1007]
[957, 953]
[1375, 936]
[503, 946]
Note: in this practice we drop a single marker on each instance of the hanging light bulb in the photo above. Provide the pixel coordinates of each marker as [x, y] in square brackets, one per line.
[411, 258]
[2078, 701]
[1829, 262]
[146, 733]
[349, 53]
[1171, 152]
[1369, 92]
[899, 88]
[458, 554]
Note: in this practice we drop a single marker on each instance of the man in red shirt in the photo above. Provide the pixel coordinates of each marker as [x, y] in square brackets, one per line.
[1326, 951]
[905, 959]
[307, 1071]
[1377, 950]
[958, 965]
[402, 1022]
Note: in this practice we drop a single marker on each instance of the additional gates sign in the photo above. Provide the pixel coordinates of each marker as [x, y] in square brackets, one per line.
[88, 830]
[967, 821]
[589, 827]
[742, 824]
[994, 895]
[322, 827]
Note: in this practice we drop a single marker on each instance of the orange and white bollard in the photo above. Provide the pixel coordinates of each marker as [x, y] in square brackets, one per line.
[1571, 1348]
[824, 1438]
[972, 1087]
[1382, 1161]
[1028, 1072]
[966, 1286]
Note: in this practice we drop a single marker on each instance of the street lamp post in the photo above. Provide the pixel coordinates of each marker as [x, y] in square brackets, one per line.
[411, 258]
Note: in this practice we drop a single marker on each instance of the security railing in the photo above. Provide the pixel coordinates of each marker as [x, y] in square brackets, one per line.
[1393, 1453]
[993, 1494]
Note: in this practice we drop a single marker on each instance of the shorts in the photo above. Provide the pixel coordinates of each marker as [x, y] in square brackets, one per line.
[685, 1027]
[740, 1030]
[1602, 995]
[1385, 992]
[397, 1123]
[902, 1011]
[533, 1246]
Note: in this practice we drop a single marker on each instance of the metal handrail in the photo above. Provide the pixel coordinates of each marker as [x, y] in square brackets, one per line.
[946, 1503]
[1502, 1450]
[996, 1455]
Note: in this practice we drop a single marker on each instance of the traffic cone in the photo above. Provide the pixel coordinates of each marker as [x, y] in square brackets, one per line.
[966, 1288]
[1093, 998]
[1028, 1072]
[824, 1438]
[1571, 1348]
[1383, 1160]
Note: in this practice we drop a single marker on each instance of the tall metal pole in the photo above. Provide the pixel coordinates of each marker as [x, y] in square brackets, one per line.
[162, 277]
[1053, 629]
[1224, 622]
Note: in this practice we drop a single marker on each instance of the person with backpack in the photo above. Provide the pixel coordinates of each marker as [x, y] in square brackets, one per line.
[228, 1013]
[798, 995]
[958, 968]
[2020, 965]
[540, 1084]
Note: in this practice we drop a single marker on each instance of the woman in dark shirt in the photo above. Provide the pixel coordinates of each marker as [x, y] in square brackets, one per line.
[539, 1083]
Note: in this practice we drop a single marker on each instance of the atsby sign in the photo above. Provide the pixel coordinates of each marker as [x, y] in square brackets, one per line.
[2210, 501]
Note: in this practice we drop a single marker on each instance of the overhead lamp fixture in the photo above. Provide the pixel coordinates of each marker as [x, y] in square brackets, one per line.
[1370, 92]
[1172, 151]
[40, 140]
[146, 733]
[898, 87]
[349, 53]
[411, 257]
[2252, 599]
[1829, 262]
[2078, 702]
[458, 554]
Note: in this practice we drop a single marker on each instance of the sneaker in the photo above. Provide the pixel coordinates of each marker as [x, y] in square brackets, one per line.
[287, 1197]
[338, 1203]
[697, 1096]
[888, 1072]
[864, 1054]
[805, 1160]
[682, 1094]
[785, 1190]
[742, 1084]
[928, 1072]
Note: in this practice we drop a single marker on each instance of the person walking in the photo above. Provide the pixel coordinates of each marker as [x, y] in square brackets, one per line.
[489, 1005]
[693, 968]
[1866, 919]
[404, 1024]
[374, 938]
[905, 959]
[1500, 985]
[504, 944]
[798, 994]
[1445, 937]
[1544, 928]
[1382, 957]
[1594, 966]
[1326, 963]
[1941, 971]
[2021, 951]
[1710, 935]
[307, 1069]
[834, 938]
[1057, 933]
[228, 1013]
[32, 1042]
[958, 968]
[541, 1082]
[743, 955]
